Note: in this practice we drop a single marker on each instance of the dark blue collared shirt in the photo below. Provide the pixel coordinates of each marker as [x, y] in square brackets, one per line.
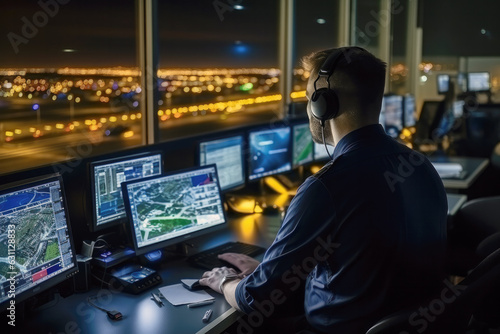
[363, 237]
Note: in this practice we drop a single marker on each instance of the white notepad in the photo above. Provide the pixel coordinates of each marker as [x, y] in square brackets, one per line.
[176, 294]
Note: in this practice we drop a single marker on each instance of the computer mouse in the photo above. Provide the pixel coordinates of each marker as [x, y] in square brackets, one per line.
[192, 284]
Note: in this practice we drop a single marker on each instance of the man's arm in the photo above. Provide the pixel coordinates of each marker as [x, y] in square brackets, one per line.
[229, 292]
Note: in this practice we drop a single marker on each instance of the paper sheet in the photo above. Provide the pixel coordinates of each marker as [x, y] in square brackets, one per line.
[176, 294]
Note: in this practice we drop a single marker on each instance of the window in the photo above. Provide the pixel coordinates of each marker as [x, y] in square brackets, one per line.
[218, 65]
[69, 81]
[316, 28]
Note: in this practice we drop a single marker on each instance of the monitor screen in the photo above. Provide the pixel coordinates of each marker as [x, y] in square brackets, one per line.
[227, 154]
[106, 177]
[302, 145]
[409, 111]
[269, 152]
[393, 115]
[168, 209]
[443, 83]
[478, 81]
[320, 151]
[36, 244]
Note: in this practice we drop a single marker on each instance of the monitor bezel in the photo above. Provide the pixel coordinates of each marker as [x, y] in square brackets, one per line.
[249, 155]
[292, 135]
[92, 222]
[179, 239]
[480, 90]
[242, 156]
[69, 272]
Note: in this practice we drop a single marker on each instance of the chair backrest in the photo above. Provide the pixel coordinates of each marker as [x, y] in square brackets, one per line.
[452, 309]
[480, 218]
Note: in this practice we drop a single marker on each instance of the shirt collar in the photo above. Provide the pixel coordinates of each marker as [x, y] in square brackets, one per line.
[350, 140]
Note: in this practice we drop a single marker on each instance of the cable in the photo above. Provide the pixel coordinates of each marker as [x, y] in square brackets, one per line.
[114, 315]
[323, 136]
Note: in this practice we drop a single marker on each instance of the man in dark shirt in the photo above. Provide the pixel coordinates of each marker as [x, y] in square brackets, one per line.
[365, 235]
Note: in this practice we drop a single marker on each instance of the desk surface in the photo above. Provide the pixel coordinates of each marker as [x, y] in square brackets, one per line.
[472, 166]
[141, 314]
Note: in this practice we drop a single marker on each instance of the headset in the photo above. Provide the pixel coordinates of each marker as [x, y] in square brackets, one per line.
[325, 101]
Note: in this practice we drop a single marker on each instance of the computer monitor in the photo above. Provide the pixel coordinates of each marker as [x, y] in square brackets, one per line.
[443, 83]
[269, 152]
[320, 152]
[168, 209]
[409, 111]
[302, 145]
[36, 244]
[478, 82]
[106, 177]
[227, 154]
[393, 115]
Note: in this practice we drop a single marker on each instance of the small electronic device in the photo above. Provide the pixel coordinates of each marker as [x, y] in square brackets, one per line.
[169, 209]
[106, 177]
[269, 152]
[227, 154]
[302, 145]
[207, 315]
[35, 239]
[130, 278]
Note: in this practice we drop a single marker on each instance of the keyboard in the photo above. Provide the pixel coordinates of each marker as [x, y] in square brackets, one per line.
[208, 259]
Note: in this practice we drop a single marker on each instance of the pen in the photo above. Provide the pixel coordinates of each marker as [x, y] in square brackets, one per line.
[156, 299]
[207, 315]
[203, 303]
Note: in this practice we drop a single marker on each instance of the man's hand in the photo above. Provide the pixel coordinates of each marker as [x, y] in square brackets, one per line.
[243, 262]
[213, 277]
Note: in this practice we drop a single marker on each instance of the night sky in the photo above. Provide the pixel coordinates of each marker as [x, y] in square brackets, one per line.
[193, 33]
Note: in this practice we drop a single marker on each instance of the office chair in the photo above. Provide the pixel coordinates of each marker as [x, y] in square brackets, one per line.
[476, 220]
[476, 300]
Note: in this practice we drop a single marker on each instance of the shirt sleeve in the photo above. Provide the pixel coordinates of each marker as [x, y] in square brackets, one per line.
[299, 245]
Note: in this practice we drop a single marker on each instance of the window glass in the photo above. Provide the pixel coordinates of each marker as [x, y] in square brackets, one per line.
[315, 28]
[459, 39]
[218, 65]
[69, 81]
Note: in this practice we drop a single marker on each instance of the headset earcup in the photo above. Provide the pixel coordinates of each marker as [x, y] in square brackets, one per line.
[324, 104]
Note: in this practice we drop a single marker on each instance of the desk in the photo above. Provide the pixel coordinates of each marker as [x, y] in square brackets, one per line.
[142, 315]
[455, 202]
[472, 166]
